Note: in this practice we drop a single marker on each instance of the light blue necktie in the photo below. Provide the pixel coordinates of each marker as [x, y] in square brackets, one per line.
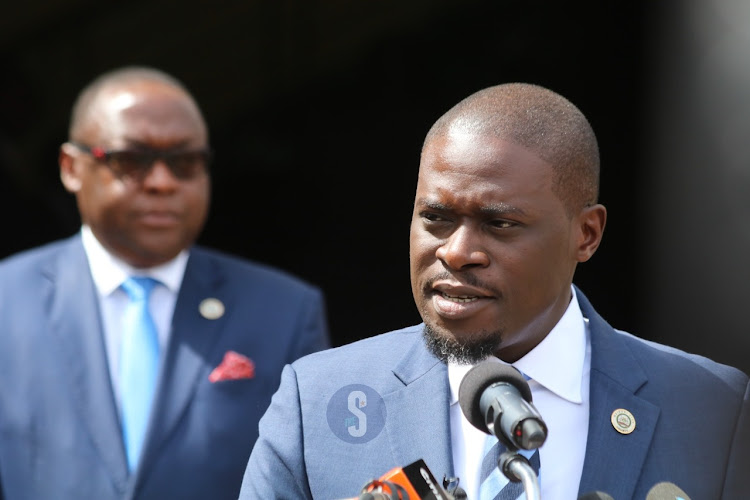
[139, 365]
[494, 485]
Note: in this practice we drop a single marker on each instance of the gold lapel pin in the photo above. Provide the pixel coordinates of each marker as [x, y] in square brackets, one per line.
[623, 421]
[211, 308]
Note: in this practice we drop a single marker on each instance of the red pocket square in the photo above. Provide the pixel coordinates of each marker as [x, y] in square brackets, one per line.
[234, 366]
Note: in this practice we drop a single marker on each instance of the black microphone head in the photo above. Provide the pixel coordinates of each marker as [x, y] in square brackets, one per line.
[666, 491]
[478, 379]
[460, 494]
[595, 495]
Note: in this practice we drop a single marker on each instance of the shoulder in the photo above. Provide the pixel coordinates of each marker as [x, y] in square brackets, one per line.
[382, 350]
[624, 356]
[676, 366]
[243, 270]
[380, 365]
[32, 258]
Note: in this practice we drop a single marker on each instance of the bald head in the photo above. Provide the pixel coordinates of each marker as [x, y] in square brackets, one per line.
[122, 78]
[540, 120]
[146, 197]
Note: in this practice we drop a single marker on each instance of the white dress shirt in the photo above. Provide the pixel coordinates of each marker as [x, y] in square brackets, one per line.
[559, 369]
[108, 273]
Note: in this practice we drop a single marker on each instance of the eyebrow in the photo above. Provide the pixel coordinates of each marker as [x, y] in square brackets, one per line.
[502, 209]
[433, 205]
[494, 209]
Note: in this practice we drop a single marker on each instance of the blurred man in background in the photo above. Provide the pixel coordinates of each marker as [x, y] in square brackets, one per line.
[135, 364]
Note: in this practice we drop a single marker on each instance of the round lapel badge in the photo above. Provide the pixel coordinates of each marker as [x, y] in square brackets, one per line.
[211, 308]
[623, 421]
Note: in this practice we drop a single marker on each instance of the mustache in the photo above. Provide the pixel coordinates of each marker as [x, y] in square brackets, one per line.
[466, 278]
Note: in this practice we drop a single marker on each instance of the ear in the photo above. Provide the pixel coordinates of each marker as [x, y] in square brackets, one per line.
[70, 169]
[591, 222]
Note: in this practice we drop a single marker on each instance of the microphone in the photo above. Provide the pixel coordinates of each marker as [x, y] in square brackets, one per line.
[411, 482]
[496, 399]
[666, 491]
[383, 490]
[596, 495]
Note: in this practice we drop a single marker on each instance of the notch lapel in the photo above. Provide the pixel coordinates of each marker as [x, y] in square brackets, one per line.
[613, 460]
[76, 327]
[425, 392]
[191, 342]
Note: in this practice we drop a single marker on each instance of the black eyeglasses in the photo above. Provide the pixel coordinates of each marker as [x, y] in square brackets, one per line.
[135, 164]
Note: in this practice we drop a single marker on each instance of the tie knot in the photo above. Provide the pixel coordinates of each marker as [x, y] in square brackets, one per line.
[138, 287]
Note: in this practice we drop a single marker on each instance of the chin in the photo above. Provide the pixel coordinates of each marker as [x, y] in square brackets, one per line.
[151, 256]
[163, 245]
[470, 349]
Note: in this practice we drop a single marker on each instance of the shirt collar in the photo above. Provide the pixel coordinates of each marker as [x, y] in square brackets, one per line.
[109, 271]
[566, 341]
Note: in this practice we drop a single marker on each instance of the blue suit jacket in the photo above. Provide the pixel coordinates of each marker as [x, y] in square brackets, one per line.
[59, 427]
[692, 420]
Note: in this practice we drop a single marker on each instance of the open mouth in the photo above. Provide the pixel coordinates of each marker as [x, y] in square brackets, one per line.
[459, 298]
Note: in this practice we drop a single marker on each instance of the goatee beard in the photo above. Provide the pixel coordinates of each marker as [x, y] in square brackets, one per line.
[468, 352]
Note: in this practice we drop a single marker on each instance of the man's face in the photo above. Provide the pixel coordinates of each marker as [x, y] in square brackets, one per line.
[492, 248]
[148, 221]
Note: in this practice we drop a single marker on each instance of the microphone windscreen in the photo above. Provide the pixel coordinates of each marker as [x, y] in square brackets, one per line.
[481, 376]
[596, 495]
[666, 491]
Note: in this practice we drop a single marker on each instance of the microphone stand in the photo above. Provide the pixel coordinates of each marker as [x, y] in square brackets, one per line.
[517, 468]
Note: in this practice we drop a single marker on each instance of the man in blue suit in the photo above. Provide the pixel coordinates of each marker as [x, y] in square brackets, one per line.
[506, 207]
[223, 328]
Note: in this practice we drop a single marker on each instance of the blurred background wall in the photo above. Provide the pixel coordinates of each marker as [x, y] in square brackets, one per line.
[318, 109]
[695, 185]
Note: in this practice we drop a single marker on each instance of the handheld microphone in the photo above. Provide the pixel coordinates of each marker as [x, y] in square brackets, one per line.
[496, 399]
[595, 495]
[666, 491]
[411, 482]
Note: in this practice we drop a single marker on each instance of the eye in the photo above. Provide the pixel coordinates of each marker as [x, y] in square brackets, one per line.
[503, 224]
[188, 164]
[433, 217]
[183, 163]
[130, 163]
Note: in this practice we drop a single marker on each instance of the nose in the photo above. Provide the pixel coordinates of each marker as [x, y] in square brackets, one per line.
[160, 178]
[463, 250]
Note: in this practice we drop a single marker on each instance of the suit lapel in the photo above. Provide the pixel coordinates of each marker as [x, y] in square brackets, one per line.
[192, 339]
[614, 460]
[425, 392]
[76, 327]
